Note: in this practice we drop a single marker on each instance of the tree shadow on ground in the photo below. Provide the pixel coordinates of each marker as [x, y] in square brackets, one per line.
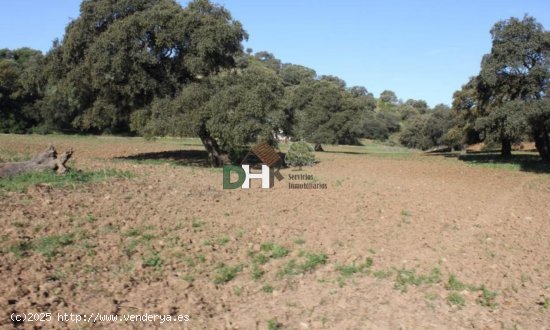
[524, 162]
[197, 158]
[174, 157]
[342, 152]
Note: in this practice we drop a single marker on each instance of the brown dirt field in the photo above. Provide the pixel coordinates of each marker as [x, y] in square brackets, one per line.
[153, 243]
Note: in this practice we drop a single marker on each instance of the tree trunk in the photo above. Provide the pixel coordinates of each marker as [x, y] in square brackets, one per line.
[318, 147]
[216, 156]
[506, 150]
[542, 142]
[43, 161]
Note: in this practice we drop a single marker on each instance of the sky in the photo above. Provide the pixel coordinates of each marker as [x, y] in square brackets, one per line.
[420, 49]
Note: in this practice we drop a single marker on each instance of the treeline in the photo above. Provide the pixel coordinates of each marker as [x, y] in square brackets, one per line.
[153, 68]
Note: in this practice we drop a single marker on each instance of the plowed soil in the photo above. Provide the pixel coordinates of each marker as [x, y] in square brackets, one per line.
[396, 241]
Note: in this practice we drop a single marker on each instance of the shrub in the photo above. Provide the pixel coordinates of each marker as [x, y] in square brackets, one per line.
[300, 154]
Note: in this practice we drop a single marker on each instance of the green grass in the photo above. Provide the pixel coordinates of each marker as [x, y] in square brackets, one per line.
[519, 161]
[257, 272]
[8, 156]
[226, 273]
[222, 240]
[299, 241]
[455, 299]
[267, 288]
[276, 251]
[48, 246]
[22, 182]
[487, 297]
[273, 324]
[406, 277]
[152, 259]
[133, 232]
[261, 259]
[455, 284]
[310, 262]
[406, 213]
[197, 223]
[349, 270]
[382, 274]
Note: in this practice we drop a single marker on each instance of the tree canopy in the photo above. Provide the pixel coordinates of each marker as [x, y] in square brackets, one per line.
[512, 82]
[118, 57]
[153, 67]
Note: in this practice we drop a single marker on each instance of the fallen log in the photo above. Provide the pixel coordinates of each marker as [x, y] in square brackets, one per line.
[43, 161]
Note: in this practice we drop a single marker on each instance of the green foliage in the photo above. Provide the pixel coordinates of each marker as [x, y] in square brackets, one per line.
[293, 74]
[380, 274]
[300, 154]
[428, 130]
[70, 179]
[538, 119]
[267, 288]
[349, 270]
[273, 324]
[118, 57]
[20, 87]
[226, 273]
[456, 299]
[323, 111]
[153, 260]
[515, 73]
[312, 261]
[227, 111]
[487, 297]
[455, 284]
[507, 122]
[257, 272]
[49, 246]
[388, 98]
[377, 125]
[406, 277]
[279, 251]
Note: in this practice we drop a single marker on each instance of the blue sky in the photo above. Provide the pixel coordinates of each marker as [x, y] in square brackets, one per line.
[421, 49]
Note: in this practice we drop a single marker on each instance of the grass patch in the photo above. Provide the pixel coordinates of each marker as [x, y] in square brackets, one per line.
[519, 161]
[21, 182]
[197, 223]
[273, 324]
[225, 273]
[21, 249]
[312, 261]
[382, 274]
[455, 284]
[222, 240]
[133, 232]
[153, 260]
[299, 241]
[267, 288]
[487, 297]
[257, 272]
[349, 270]
[49, 246]
[409, 277]
[406, 213]
[276, 251]
[455, 299]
